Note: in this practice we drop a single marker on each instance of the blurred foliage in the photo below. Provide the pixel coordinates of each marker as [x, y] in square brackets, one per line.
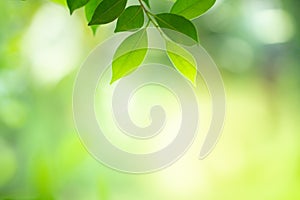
[258, 156]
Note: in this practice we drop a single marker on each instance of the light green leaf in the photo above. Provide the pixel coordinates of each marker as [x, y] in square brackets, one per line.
[191, 9]
[62, 2]
[182, 60]
[132, 18]
[90, 8]
[107, 11]
[130, 55]
[75, 4]
[177, 24]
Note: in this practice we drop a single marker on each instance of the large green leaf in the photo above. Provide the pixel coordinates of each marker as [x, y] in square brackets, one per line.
[192, 8]
[75, 4]
[131, 18]
[90, 8]
[107, 11]
[182, 60]
[130, 55]
[177, 24]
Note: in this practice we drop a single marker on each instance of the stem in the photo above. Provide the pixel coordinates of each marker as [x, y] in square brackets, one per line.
[149, 15]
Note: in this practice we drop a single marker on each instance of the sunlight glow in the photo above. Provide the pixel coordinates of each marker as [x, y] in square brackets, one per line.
[53, 44]
[273, 26]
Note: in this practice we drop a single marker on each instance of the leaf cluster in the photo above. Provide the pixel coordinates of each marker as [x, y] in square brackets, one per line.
[136, 18]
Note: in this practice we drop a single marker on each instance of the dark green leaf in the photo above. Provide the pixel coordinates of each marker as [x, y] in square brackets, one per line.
[107, 11]
[130, 55]
[131, 18]
[147, 3]
[90, 8]
[75, 4]
[89, 12]
[192, 8]
[177, 24]
[182, 60]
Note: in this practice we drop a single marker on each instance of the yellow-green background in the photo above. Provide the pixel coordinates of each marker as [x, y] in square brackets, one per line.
[256, 45]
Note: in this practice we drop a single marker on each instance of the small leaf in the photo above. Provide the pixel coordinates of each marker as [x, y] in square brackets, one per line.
[147, 3]
[177, 24]
[131, 18]
[130, 55]
[182, 60]
[107, 11]
[191, 9]
[75, 4]
[90, 8]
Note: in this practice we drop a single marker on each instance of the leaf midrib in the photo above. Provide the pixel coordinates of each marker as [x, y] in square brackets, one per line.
[134, 47]
[140, 9]
[166, 22]
[108, 10]
[182, 11]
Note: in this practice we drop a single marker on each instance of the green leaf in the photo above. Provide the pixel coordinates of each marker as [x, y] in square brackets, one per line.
[75, 4]
[177, 24]
[182, 60]
[147, 3]
[191, 9]
[62, 2]
[90, 8]
[131, 18]
[107, 11]
[130, 55]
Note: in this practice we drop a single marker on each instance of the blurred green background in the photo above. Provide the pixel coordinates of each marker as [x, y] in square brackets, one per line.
[256, 45]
